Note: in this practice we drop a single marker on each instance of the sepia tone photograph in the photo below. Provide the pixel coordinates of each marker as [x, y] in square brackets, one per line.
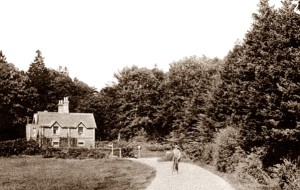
[150, 95]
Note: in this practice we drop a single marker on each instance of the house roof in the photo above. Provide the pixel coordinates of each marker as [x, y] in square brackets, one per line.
[32, 125]
[47, 119]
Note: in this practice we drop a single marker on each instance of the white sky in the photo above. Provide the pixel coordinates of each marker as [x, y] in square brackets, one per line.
[96, 38]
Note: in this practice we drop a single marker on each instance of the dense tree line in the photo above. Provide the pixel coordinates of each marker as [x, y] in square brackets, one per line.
[156, 104]
[233, 113]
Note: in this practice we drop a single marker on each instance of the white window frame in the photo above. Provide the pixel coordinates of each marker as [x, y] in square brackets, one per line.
[82, 130]
[55, 146]
[80, 143]
[57, 131]
[34, 132]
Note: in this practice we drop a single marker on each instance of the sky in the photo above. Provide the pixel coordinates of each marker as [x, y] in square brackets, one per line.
[96, 38]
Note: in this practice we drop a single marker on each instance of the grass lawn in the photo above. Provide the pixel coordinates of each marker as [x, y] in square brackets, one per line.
[41, 173]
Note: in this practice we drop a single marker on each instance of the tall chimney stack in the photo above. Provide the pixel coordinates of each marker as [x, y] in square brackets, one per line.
[63, 105]
[60, 106]
[66, 105]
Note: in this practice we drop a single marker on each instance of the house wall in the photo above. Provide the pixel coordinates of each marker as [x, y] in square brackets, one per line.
[28, 132]
[85, 140]
[31, 131]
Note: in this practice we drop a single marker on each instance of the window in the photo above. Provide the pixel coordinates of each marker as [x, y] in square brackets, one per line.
[55, 144]
[80, 130]
[55, 130]
[80, 143]
[34, 132]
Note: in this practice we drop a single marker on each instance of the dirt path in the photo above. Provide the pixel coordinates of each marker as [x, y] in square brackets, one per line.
[189, 177]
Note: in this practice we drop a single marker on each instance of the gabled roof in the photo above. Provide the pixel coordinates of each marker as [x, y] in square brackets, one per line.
[47, 119]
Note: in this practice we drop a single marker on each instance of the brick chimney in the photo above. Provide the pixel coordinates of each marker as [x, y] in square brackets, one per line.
[63, 105]
[60, 106]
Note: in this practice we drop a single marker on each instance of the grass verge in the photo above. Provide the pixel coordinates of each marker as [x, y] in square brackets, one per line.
[39, 173]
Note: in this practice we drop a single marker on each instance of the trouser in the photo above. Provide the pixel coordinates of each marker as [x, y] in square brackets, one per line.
[175, 164]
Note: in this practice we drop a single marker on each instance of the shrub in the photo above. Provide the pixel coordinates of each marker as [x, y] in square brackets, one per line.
[77, 153]
[63, 142]
[96, 154]
[46, 142]
[73, 153]
[51, 152]
[207, 153]
[101, 144]
[159, 147]
[287, 175]
[127, 148]
[13, 147]
[140, 138]
[226, 142]
[32, 148]
[127, 152]
[60, 153]
[167, 157]
[24, 147]
[193, 150]
[250, 167]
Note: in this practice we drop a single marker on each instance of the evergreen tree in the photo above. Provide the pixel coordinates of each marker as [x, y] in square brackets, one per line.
[14, 98]
[260, 87]
[187, 97]
[40, 80]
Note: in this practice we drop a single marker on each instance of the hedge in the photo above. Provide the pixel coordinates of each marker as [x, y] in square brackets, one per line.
[73, 153]
[19, 147]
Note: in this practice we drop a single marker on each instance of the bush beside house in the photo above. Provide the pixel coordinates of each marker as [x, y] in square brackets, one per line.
[19, 147]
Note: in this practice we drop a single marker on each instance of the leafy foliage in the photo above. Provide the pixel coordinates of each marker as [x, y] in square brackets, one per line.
[249, 167]
[189, 90]
[260, 84]
[159, 147]
[18, 147]
[73, 153]
[127, 148]
[14, 94]
[139, 98]
[226, 143]
[40, 80]
[287, 174]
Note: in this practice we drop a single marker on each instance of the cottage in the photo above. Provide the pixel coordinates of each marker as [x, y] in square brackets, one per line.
[63, 129]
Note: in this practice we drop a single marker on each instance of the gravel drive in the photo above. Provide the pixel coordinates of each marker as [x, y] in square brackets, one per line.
[189, 177]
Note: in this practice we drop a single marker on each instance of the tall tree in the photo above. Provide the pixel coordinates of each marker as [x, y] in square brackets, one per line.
[105, 108]
[7, 71]
[260, 87]
[138, 98]
[60, 85]
[39, 79]
[187, 96]
[14, 97]
[80, 92]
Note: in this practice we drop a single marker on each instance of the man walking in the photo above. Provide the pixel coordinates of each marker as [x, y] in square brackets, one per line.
[176, 157]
